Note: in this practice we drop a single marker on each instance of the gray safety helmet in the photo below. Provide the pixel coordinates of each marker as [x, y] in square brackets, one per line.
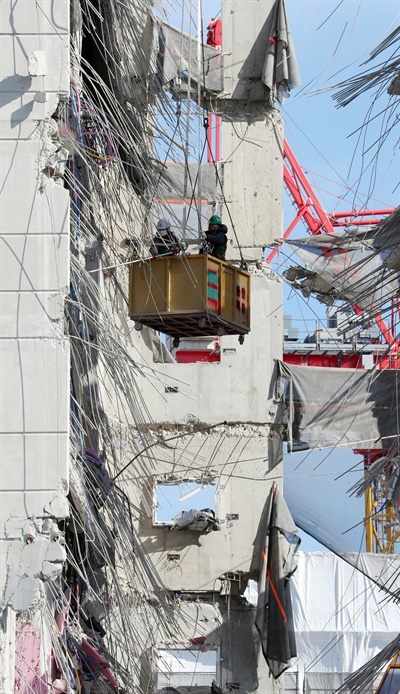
[163, 224]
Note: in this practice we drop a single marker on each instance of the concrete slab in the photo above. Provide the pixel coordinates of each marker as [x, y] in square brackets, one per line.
[29, 314]
[27, 505]
[33, 462]
[34, 263]
[50, 16]
[42, 212]
[35, 386]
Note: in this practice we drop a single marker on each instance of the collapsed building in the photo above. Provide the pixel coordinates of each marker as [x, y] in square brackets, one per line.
[100, 590]
[142, 484]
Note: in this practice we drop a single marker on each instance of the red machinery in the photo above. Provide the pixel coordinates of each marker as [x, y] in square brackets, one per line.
[381, 531]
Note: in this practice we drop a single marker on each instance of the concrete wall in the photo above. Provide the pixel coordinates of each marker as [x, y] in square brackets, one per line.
[245, 38]
[237, 388]
[227, 626]
[34, 278]
[252, 133]
[237, 460]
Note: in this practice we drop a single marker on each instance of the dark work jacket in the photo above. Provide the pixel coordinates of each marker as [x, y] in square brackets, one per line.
[218, 240]
[165, 244]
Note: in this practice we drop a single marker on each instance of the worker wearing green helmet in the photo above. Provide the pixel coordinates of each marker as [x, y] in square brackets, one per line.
[216, 236]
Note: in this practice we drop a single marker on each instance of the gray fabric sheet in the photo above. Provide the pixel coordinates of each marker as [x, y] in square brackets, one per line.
[280, 72]
[177, 51]
[277, 68]
[346, 407]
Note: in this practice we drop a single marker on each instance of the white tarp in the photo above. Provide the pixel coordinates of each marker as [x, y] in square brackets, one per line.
[341, 618]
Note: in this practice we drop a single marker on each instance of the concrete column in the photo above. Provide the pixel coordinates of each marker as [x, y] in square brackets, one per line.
[252, 132]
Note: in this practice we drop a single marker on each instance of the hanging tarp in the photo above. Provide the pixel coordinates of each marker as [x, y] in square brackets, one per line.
[280, 73]
[274, 621]
[178, 57]
[361, 267]
[346, 407]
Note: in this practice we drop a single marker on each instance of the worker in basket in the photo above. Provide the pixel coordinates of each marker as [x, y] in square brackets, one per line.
[165, 242]
[216, 238]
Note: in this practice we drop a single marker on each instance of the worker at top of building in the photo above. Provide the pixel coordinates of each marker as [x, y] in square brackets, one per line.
[165, 242]
[216, 236]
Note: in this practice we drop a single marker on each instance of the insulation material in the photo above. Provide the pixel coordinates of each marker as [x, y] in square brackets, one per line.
[280, 72]
[328, 407]
[178, 56]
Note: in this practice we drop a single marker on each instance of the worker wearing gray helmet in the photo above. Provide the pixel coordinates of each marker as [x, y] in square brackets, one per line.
[165, 242]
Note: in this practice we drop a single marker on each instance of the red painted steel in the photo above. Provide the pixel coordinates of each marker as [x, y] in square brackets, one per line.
[351, 361]
[318, 221]
[192, 356]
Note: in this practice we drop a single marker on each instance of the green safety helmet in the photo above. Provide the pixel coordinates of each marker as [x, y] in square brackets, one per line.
[214, 219]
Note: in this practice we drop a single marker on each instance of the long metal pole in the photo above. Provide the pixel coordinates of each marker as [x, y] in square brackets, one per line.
[200, 120]
[186, 209]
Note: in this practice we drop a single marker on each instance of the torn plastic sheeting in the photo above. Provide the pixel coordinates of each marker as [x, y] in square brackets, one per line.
[178, 52]
[330, 407]
[383, 236]
[359, 275]
[200, 521]
[361, 264]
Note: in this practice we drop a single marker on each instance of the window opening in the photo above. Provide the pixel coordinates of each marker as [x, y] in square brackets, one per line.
[171, 497]
[186, 668]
